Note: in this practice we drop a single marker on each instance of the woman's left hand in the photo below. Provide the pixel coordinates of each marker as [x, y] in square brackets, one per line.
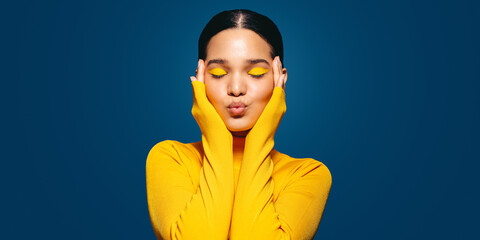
[264, 129]
[254, 212]
[279, 73]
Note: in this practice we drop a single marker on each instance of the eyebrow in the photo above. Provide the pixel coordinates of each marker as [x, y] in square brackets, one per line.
[219, 61]
[259, 60]
[251, 61]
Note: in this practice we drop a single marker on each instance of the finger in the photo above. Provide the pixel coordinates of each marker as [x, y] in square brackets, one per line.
[282, 76]
[282, 81]
[192, 78]
[275, 72]
[279, 70]
[201, 71]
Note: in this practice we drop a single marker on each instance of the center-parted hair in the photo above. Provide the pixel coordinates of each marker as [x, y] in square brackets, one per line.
[242, 18]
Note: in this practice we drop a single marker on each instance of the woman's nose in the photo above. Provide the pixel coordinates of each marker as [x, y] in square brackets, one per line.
[237, 86]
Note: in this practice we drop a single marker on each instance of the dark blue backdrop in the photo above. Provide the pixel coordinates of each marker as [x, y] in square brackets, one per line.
[385, 93]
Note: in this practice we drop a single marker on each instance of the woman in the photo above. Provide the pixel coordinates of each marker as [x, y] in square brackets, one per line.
[233, 184]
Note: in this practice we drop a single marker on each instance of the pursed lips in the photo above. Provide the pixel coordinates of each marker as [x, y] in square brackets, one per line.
[237, 108]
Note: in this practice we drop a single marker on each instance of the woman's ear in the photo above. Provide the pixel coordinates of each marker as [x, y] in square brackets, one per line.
[284, 71]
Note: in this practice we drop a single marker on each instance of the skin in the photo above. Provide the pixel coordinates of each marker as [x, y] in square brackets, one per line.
[230, 75]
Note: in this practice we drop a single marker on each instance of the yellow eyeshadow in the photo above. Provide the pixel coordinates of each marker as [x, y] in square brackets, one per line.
[217, 71]
[258, 71]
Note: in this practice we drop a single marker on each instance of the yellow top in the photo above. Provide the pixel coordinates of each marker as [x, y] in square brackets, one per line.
[198, 191]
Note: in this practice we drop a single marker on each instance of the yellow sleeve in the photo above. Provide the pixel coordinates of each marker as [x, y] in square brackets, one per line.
[178, 210]
[299, 207]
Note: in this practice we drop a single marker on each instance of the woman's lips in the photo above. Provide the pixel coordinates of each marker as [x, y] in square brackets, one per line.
[237, 108]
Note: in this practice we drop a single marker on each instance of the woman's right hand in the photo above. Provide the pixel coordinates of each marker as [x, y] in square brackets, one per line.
[209, 121]
[179, 208]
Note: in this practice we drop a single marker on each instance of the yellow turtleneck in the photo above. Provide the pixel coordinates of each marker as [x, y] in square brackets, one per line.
[203, 190]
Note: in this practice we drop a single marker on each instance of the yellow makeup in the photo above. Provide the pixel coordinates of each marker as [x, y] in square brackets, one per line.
[217, 72]
[258, 71]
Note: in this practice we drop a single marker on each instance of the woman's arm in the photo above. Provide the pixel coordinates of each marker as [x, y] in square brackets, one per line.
[299, 207]
[177, 210]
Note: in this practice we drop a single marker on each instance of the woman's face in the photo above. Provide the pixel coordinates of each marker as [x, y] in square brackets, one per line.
[239, 77]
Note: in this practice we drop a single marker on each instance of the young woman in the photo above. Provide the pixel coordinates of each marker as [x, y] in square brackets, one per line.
[232, 184]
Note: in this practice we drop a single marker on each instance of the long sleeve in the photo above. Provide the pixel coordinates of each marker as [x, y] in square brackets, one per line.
[299, 207]
[177, 209]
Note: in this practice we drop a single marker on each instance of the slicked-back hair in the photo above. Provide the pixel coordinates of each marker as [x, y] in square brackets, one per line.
[242, 18]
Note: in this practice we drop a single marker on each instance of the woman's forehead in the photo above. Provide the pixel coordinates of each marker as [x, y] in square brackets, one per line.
[245, 61]
[238, 45]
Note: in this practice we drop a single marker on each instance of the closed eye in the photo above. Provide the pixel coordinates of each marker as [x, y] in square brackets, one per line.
[258, 72]
[217, 72]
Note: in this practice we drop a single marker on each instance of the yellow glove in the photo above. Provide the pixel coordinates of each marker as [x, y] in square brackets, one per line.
[254, 214]
[211, 124]
[261, 136]
[213, 206]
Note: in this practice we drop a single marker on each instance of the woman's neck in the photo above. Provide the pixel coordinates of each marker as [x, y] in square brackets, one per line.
[238, 145]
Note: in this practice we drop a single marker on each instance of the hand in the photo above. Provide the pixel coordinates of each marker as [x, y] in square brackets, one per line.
[279, 74]
[209, 121]
[267, 124]
[200, 72]
[254, 212]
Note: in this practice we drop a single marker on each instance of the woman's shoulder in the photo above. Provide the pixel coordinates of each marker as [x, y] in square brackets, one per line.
[177, 145]
[300, 167]
[172, 149]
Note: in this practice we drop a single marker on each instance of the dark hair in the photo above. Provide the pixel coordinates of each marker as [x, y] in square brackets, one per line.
[242, 18]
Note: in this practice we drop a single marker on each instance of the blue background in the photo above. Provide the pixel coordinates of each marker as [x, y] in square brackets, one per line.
[385, 93]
